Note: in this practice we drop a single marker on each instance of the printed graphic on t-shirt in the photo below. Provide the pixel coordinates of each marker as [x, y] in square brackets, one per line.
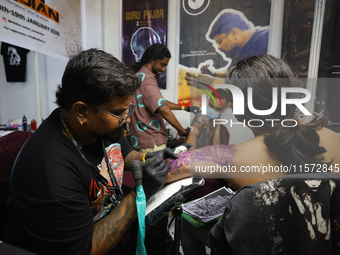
[14, 58]
[117, 164]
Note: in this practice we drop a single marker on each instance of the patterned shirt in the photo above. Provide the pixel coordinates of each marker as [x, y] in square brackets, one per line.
[147, 125]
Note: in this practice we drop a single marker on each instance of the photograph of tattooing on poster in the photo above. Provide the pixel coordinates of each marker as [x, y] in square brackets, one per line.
[296, 48]
[144, 24]
[210, 41]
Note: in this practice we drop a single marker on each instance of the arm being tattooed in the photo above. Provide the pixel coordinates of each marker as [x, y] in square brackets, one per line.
[197, 125]
[190, 161]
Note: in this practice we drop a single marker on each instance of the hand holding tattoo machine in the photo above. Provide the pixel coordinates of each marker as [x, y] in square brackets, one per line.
[151, 175]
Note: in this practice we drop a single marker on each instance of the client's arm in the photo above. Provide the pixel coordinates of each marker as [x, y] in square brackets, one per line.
[219, 161]
[197, 124]
[197, 162]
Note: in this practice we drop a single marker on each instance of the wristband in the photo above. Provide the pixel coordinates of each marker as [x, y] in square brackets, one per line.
[144, 157]
[183, 108]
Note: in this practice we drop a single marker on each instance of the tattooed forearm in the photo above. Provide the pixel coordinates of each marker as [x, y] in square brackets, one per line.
[199, 122]
[175, 171]
[219, 154]
[183, 159]
[109, 231]
[133, 155]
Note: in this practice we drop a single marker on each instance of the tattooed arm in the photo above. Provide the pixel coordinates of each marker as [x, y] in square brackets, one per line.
[194, 162]
[208, 162]
[109, 231]
[197, 125]
[133, 155]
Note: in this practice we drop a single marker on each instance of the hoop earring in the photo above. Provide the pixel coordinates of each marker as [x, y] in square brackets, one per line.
[81, 123]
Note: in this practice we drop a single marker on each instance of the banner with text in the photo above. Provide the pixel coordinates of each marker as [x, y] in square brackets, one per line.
[144, 23]
[52, 28]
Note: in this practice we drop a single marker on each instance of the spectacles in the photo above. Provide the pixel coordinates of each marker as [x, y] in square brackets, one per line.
[130, 110]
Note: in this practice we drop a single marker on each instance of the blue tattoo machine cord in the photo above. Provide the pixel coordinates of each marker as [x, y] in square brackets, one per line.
[136, 167]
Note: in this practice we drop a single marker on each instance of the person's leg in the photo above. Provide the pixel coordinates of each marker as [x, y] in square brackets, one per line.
[193, 238]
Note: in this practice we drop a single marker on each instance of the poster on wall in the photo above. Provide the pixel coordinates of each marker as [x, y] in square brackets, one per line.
[49, 27]
[144, 23]
[213, 35]
[296, 45]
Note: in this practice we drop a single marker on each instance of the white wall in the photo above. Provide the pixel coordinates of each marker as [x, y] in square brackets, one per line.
[94, 24]
[18, 98]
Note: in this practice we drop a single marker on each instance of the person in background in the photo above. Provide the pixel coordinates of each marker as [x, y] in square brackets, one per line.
[295, 144]
[60, 185]
[147, 126]
[204, 133]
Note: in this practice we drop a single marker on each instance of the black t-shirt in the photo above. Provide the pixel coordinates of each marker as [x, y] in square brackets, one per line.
[51, 190]
[257, 45]
[15, 62]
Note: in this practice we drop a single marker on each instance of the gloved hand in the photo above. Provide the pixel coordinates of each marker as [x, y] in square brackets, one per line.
[154, 175]
[137, 171]
[187, 131]
[165, 153]
[193, 109]
[180, 148]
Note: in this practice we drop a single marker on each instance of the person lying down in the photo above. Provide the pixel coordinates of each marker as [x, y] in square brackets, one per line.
[282, 146]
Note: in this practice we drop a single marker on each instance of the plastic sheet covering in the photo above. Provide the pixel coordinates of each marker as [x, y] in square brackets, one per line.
[141, 205]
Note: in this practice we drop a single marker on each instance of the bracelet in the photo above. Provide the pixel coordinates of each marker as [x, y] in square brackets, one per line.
[183, 107]
[144, 157]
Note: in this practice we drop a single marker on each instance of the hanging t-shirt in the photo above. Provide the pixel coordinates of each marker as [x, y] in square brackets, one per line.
[15, 62]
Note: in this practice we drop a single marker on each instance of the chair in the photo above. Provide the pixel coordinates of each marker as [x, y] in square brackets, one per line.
[10, 146]
[295, 214]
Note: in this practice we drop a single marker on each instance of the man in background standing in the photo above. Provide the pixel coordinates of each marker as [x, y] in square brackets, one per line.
[147, 126]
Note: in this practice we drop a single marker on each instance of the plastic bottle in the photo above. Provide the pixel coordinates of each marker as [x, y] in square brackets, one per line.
[24, 123]
[168, 131]
[33, 125]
